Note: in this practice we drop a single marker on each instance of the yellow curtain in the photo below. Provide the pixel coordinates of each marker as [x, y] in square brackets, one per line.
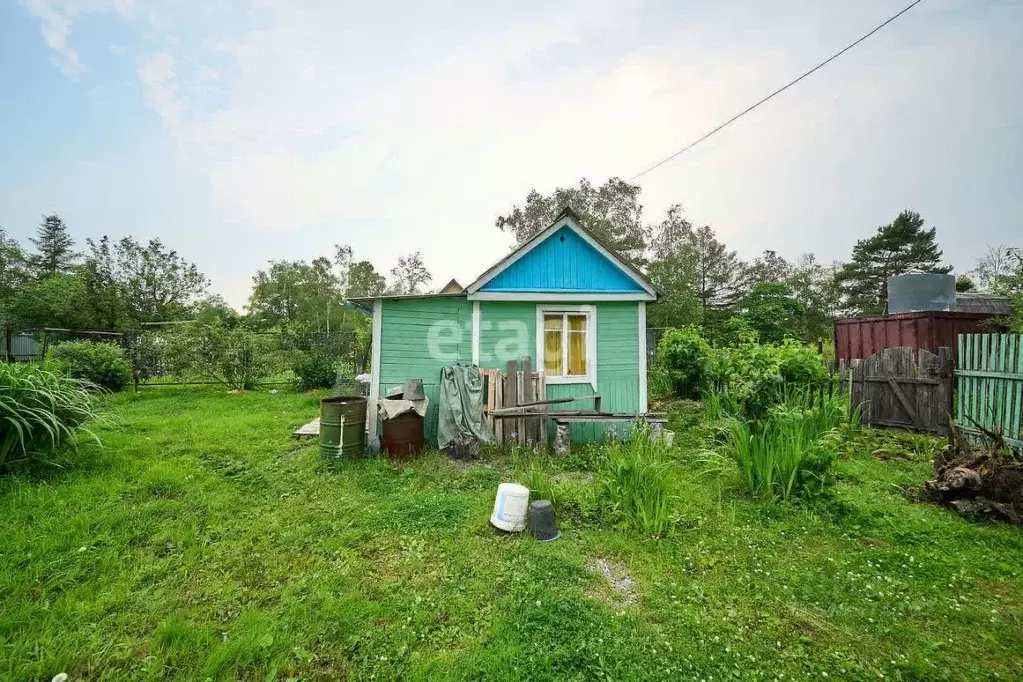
[576, 345]
[552, 345]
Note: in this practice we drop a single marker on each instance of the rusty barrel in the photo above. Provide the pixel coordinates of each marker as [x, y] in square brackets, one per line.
[403, 436]
[342, 427]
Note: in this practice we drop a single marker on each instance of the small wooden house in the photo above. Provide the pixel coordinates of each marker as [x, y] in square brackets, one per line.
[562, 298]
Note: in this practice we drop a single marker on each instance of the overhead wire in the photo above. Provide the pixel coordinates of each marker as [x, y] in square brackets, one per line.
[777, 92]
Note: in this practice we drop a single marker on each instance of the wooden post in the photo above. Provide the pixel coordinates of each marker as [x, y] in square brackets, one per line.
[532, 426]
[8, 353]
[511, 391]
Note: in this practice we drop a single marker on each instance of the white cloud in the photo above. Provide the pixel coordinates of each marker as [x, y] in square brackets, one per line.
[56, 28]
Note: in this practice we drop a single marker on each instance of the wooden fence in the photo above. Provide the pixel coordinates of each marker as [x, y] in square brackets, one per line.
[903, 389]
[989, 386]
[508, 389]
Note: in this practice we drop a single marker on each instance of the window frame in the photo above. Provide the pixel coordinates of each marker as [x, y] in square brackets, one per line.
[590, 312]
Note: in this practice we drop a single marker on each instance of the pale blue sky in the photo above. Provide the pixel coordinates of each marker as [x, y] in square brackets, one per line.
[239, 131]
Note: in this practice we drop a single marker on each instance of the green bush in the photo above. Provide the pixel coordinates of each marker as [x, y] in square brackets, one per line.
[102, 364]
[40, 411]
[233, 356]
[685, 359]
[315, 369]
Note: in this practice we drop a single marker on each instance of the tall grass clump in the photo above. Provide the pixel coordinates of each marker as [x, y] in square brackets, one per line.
[40, 411]
[789, 452]
[635, 479]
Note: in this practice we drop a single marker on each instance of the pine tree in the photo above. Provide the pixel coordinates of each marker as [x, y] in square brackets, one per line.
[55, 248]
[899, 248]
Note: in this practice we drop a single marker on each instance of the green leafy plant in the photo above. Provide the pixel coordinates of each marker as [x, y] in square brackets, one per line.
[635, 478]
[791, 450]
[40, 411]
[101, 364]
[685, 358]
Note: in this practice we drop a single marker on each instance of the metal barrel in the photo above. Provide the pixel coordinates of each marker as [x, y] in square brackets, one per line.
[403, 436]
[342, 427]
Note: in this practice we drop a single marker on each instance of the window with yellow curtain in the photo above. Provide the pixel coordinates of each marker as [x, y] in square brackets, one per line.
[552, 344]
[564, 344]
[576, 345]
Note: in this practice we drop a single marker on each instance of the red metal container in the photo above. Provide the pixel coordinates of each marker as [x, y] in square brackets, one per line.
[403, 436]
[861, 337]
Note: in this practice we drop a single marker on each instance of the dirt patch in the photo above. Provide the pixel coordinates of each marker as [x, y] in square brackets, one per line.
[979, 480]
[617, 577]
[238, 391]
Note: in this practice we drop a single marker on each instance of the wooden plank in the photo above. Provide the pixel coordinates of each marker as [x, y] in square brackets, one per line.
[1016, 364]
[499, 435]
[905, 380]
[960, 345]
[1003, 393]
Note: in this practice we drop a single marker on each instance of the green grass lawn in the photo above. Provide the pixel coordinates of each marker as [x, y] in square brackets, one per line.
[204, 543]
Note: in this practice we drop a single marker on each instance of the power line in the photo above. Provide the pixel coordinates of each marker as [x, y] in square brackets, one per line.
[778, 91]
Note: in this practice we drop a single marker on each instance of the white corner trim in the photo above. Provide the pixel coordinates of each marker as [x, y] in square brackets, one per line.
[476, 333]
[591, 344]
[643, 404]
[573, 225]
[374, 381]
[543, 297]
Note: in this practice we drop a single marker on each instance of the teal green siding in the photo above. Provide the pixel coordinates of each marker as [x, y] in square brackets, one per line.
[507, 332]
[407, 327]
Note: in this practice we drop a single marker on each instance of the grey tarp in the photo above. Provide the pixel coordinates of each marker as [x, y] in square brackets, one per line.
[461, 406]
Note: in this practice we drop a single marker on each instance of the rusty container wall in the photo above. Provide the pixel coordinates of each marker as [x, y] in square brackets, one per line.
[402, 436]
[861, 337]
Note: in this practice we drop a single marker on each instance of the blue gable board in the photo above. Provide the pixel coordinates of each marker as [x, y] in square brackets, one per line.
[564, 262]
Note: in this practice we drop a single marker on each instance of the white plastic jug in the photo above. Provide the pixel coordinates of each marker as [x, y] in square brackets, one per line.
[510, 507]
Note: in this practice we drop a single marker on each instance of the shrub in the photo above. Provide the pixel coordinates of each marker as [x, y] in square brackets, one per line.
[315, 369]
[232, 356]
[635, 478]
[685, 358]
[791, 451]
[40, 411]
[102, 364]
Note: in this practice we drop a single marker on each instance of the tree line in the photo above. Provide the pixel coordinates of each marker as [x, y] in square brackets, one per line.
[123, 284]
[706, 283]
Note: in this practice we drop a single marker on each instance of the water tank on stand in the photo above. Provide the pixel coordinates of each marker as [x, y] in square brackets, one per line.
[921, 292]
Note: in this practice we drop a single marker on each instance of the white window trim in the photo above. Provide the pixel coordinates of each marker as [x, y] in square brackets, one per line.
[591, 342]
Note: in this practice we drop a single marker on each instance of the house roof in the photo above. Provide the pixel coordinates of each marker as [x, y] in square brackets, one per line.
[574, 223]
[452, 287]
[979, 302]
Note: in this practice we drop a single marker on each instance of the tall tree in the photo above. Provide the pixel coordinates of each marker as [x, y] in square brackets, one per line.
[103, 291]
[674, 269]
[13, 271]
[899, 248]
[410, 274]
[611, 211]
[772, 310]
[813, 284]
[1000, 270]
[768, 267]
[719, 271]
[156, 283]
[55, 248]
[364, 280]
